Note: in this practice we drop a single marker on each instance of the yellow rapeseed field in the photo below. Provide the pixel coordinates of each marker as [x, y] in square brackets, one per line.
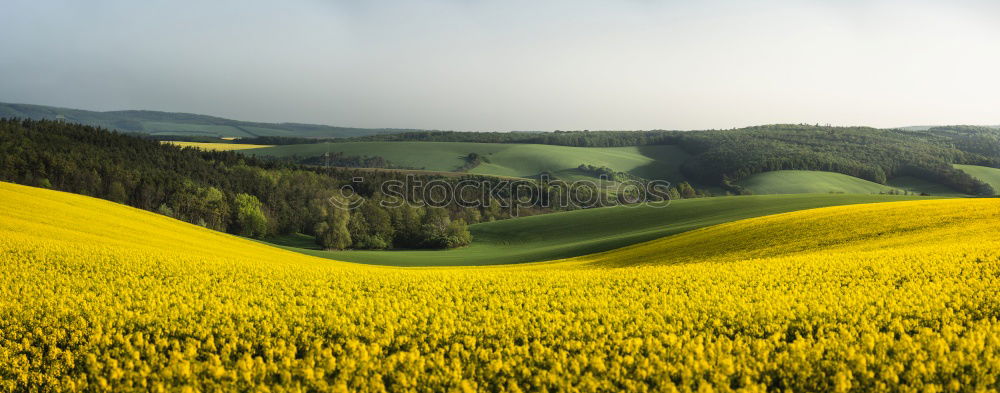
[886, 297]
[216, 146]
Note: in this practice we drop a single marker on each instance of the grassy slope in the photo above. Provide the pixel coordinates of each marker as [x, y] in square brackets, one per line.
[825, 232]
[217, 146]
[519, 160]
[986, 174]
[800, 182]
[563, 235]
[804, 182]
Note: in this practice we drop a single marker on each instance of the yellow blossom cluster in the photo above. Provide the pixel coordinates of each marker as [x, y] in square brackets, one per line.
[885, 297]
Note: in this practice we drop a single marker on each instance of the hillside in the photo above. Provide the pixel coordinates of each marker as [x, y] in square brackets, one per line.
[858, 233]
[169, 123]
[95, 294]
[927, 128]
[49, 219]
[580, 232]
[519, 160]
[805, 182]
[809, 182]
[988, 175]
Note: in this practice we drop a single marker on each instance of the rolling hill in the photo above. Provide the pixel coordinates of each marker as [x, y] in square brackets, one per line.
[852, 232]
[187, 124]
[97, 296]
[807, 182]
[986, 174]
[926, 128]
[517, 160]
[580, 232]
[88, 224]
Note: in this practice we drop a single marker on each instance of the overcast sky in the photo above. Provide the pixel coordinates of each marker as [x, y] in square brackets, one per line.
[511, 65]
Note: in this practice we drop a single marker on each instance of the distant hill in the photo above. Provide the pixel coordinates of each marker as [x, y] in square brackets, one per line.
[988, 175]
[925, 128]
[184, 124]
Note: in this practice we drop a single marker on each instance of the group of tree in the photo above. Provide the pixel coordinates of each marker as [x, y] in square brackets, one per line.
[472, 160]
[608, 173]
[374, 227]
[339, 159]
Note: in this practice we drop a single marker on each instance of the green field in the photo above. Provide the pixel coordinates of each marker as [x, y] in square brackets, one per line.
[986, 174]
[518, 160]
[580, 232]
[809, 182]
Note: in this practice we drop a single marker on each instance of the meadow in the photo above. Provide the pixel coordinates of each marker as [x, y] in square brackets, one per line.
[545, 237]
[900, 296]
[805, 182]
[989, 175]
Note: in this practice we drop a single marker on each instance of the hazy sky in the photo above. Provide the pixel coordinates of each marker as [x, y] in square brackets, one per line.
[512, 65]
